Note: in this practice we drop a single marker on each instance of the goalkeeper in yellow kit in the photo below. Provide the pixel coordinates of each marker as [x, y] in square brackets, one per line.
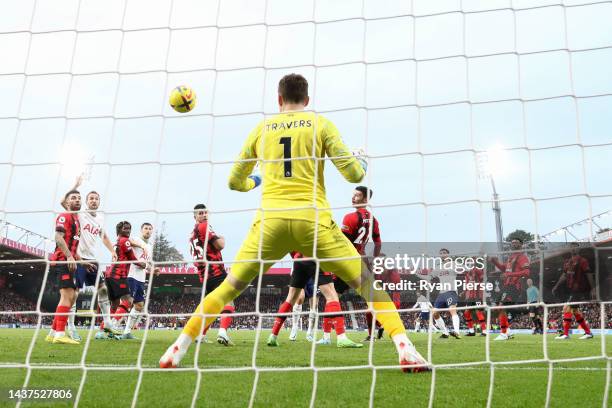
[295, 215]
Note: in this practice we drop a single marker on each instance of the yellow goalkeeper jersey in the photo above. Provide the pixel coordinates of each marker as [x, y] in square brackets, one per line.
[291, 145]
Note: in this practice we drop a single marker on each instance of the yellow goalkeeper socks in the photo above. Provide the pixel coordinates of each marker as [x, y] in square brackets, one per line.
[213, 303]
[390, 321]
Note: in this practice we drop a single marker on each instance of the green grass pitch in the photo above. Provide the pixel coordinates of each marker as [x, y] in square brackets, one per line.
[578, 384]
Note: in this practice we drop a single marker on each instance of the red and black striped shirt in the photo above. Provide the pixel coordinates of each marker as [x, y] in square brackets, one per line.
[356, 227]
[514, 270]
[576, 269]
[67, 223]
[474, 275]
[124, 252]
[198, 238]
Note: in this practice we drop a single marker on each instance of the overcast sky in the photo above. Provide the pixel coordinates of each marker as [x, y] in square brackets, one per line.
[419, 86]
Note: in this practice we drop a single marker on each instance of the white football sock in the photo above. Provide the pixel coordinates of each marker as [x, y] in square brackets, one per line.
[295, 317]
[417, 326]
[222, 332]
[131, 320]
[400, 339]
[71, 317]
[311, 321]
[327, 336]
[104, 306]
[59, 334]
[441, 325]
[183, 341]
[455, 319]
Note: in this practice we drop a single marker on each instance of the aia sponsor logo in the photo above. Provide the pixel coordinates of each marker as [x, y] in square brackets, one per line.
[93, 230]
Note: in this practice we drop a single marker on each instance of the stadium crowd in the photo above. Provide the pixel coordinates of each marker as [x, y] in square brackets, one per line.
[11, 301]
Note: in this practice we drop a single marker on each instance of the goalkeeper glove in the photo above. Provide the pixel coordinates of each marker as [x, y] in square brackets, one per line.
[256, 178]
[359, 155]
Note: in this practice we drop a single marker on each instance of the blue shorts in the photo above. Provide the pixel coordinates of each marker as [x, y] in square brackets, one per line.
[446, 299]
[424, 316]
[309, 288]
[85, 277]
[137, 290]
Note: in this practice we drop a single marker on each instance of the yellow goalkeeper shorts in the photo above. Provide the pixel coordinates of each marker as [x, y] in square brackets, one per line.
[281, 236]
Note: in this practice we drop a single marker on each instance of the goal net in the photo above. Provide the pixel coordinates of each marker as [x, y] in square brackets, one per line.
[466, 110]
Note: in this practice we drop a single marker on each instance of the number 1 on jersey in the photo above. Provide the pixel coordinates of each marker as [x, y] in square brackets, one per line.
[286, 142]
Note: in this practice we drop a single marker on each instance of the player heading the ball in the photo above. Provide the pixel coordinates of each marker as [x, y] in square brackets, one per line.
[295, 212]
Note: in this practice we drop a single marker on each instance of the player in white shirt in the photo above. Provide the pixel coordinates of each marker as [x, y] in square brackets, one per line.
[92, 229]
[447, 299]
[137, 277]
[425, 306]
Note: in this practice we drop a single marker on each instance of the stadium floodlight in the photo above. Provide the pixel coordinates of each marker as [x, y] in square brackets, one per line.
[492, 163]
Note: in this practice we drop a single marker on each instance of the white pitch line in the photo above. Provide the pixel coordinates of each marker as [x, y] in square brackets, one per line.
[245, 368]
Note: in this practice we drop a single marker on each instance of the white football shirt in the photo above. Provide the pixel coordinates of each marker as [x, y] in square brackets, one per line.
[447, 279]
[92, 228]
[422, 303]
[136, 271]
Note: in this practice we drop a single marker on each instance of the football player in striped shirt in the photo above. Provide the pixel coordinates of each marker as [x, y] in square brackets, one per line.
[116, 278]
[359, 226]
[474, 297]
[514, 271]
[205, 245]
[67, 236]
[578, 279]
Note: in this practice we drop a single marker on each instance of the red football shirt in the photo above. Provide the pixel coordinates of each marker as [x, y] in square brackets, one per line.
[68, 223]
[474, 275]
[124, 252]
[356, 227]
[198, 238]
[515, 268]
[576, 269]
